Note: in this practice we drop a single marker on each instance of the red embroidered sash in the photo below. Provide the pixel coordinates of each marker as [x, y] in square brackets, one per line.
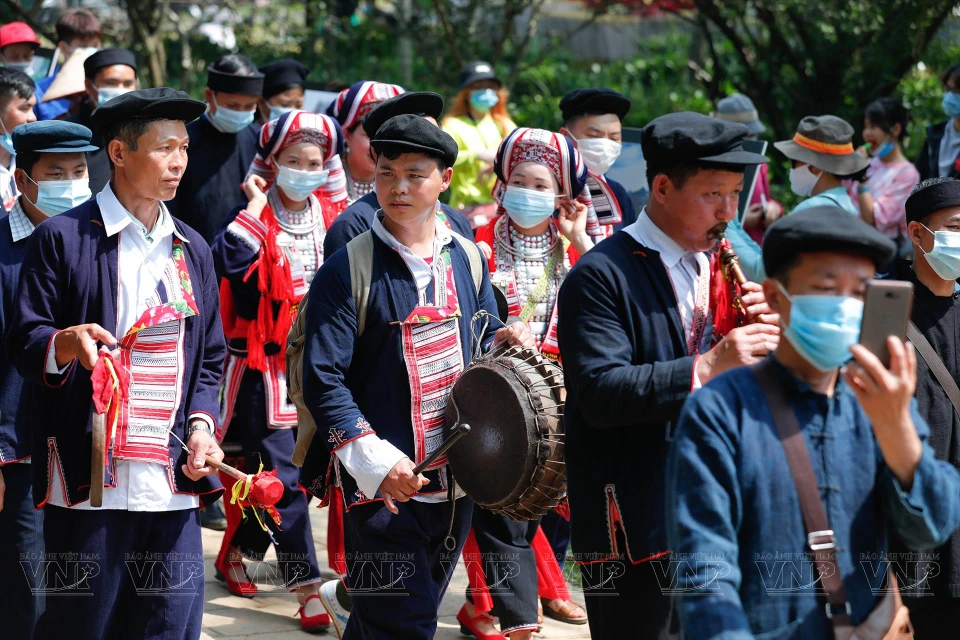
[152, 353]
[433, 354]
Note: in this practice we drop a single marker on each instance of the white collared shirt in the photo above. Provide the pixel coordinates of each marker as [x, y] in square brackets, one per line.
[369, 459]
[141, 486]
[683, 267]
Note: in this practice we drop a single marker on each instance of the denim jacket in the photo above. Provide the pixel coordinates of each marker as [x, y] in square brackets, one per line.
[740, 564]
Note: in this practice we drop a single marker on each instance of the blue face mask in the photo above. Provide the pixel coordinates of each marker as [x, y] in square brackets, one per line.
[528, 208]
[276, 112]
[951, 104]
[483, 99]
[944, 258]
[6, 140]
[298, 185]
[56, 196]
[884, 150]
[823, 328]
[231, 120]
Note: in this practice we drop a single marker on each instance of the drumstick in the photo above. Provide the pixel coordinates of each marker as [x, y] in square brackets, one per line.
[461, 430]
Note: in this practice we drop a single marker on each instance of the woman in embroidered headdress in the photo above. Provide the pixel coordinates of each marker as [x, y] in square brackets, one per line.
[350, 107]
[267, 255]
[539, 174]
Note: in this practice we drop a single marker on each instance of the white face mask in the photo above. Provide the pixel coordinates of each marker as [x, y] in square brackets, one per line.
[57, 196]
[803, 181]
[599, 153]
[26, 67]
[298, 185]
[107, 94]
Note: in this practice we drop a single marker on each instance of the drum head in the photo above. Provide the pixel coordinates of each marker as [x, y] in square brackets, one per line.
[491, 463]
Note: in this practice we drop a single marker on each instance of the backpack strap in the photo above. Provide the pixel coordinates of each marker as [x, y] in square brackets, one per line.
[475, 258]
[360, 256]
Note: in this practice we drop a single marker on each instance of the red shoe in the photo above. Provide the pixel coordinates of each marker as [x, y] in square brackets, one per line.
[468, 625]
[240, 589]
[318, 622]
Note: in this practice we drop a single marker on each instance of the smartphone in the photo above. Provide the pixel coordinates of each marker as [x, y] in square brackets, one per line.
[886, 312]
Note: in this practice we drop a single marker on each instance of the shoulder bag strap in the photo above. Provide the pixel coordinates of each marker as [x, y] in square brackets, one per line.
[820, 538]
[937, 368]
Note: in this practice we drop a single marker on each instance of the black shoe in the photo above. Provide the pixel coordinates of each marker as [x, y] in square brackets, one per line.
[213, 518]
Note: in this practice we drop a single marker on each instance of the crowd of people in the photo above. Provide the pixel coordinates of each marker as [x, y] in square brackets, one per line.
[239, 279]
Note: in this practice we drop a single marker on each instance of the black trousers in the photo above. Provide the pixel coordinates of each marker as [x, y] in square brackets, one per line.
[509, 566]
[625, 600]
[398, 567]
[21, 552]
[122, 575]
[933, 618]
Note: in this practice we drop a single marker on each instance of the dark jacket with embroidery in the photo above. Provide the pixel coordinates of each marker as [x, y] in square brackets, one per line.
[627, 374]
[69, 277]
[359, 386]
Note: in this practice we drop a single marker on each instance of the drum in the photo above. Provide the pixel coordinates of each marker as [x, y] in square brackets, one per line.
[511, 462]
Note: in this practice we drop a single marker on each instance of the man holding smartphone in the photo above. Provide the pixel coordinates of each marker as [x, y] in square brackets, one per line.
[746, 564]
[933, 225]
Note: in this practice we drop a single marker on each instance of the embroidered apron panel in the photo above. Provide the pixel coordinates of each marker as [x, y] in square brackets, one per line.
[152, 352]
[433, 353]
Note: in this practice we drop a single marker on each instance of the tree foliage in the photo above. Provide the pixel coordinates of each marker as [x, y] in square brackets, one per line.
[797, 58]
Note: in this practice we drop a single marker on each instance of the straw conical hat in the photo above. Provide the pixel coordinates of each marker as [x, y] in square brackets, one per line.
[70, 78]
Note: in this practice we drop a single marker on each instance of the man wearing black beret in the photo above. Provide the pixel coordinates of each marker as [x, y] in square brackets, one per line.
[785, 477]
[636, 337]
[109, 73]
[51, 177]
[593, 119]
[933, 225]
[358, 217]
[408, 331]
[121, 272]
[223, 143]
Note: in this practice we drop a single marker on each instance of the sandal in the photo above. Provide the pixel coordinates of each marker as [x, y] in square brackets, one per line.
[564, 613]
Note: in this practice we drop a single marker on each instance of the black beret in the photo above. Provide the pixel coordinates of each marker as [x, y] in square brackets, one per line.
[581, 101]
[107, 58]
[823, 228]
[280, 74]
[52, 136]
[413, 134]
[251, 85]
[159, 102]
[931, 196]
[419, 103]
[694, 138]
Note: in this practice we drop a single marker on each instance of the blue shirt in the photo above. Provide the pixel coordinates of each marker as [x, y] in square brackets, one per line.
[837, 196]
[750, 253]
[733, 516]
[49, 110]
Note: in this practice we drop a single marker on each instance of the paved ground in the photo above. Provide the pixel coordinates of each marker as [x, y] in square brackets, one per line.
[271, 615]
